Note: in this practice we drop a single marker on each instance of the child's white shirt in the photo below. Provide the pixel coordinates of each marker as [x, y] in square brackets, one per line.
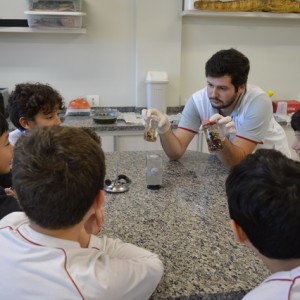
[15, 135]
[278, 286]
[38, 266]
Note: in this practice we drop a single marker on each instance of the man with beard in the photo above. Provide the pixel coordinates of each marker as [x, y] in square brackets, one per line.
[243, 111]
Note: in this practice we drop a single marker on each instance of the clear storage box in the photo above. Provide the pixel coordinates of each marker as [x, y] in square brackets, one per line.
[54, 5]
[54, 19]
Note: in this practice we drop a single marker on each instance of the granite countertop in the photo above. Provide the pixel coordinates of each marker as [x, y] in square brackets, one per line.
[87, 121]
[120, 125]
[186, 223]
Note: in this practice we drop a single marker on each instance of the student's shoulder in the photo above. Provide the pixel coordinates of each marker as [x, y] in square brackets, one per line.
[14, 219]
[15, 135]
[270, 289]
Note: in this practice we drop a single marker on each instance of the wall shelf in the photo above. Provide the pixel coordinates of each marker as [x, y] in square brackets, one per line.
[42, 30]
[240, 14]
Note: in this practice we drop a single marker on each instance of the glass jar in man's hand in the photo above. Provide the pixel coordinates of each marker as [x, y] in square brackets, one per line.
[212, 135]
[151, 126]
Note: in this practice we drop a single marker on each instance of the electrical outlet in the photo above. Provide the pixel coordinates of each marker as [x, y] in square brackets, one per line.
[93, 100]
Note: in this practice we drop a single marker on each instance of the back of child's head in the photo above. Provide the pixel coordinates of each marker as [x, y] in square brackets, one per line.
[295, 121]
[57, 173]
[28, 99]
[263, 194]
[93, 135]
[3, 124]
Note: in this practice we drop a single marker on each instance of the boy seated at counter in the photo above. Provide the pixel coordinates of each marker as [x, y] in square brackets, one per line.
[33, 105]
[8, 203]
[295, 123]
[59, 182]
[263, 194]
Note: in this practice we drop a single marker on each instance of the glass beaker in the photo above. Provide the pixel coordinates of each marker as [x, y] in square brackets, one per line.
[153, 170]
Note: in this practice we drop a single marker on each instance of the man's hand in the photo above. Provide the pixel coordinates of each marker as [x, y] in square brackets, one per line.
[226, 125]
[163, 121]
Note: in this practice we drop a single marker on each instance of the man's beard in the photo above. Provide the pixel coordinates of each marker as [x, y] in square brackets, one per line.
[234, 98]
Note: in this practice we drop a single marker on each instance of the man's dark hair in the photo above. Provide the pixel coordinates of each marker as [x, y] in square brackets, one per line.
[295, 121]
[28, 99]
[57, 173]
[3, 124]
[263, 194]
[229, 62]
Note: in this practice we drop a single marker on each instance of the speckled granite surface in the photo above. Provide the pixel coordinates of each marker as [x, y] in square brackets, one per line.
[186, 222]
[87, 121]
[120, 125]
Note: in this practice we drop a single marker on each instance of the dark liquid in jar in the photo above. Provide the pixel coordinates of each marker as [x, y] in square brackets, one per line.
[213, 140]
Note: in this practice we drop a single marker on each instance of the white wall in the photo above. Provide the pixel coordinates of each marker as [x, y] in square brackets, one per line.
[99, 62]
[158, 45]
[127, 38]
[272, 45]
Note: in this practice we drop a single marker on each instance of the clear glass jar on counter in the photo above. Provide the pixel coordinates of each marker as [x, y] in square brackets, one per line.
[154, 170]
[212, 135]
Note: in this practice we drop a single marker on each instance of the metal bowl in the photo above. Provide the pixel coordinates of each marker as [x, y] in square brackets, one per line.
[106, 116]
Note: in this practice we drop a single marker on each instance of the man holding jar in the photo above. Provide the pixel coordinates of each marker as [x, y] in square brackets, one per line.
[243, 111]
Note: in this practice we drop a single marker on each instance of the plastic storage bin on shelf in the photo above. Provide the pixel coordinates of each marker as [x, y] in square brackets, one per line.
[54, 5]
[48, 19]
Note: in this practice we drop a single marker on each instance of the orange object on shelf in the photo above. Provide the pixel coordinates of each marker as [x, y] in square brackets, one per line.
[79, 103]
[78, 107]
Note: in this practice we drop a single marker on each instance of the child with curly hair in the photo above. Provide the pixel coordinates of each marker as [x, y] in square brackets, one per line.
[33, 105]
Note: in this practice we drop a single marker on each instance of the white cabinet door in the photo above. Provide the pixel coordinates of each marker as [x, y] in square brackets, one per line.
[107, 142]
[134, 141]
[130, 142]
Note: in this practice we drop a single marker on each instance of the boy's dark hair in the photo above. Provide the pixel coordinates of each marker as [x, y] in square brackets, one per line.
[229, 62]
[295, 121]
[28, 99]
[93, 135]
[3, 124]
[57, 173]
[263, 194]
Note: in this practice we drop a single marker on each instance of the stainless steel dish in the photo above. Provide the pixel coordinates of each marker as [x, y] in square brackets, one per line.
[105, 116]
